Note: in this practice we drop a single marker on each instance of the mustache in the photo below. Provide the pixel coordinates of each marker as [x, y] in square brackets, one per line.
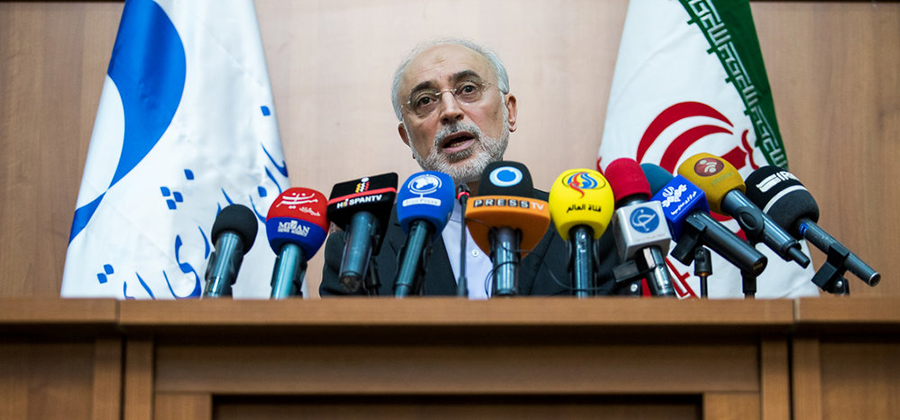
[449, 130]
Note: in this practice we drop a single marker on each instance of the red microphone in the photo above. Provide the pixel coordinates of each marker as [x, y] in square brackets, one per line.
[296, 226]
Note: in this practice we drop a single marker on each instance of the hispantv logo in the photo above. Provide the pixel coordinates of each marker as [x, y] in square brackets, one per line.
[363, 185]
[374, 198]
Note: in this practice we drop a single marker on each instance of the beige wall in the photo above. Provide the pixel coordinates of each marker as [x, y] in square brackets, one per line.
[832, 66]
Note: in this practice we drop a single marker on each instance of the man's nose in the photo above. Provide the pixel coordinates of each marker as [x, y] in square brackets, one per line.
[450, 111]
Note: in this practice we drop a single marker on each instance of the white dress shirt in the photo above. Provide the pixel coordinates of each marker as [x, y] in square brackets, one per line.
[478, 265]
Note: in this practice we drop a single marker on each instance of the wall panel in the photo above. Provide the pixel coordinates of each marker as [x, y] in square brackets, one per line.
[832, 67]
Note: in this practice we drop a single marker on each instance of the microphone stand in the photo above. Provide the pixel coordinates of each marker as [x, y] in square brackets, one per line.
[830, 276]
[703, 269]
[462, 286]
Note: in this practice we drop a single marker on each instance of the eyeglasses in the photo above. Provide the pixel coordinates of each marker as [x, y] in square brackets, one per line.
[424, 102]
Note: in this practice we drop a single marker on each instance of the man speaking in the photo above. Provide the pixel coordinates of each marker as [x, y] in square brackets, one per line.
[456, 114]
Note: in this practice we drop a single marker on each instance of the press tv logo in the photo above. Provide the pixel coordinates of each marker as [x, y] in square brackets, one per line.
[506, 176]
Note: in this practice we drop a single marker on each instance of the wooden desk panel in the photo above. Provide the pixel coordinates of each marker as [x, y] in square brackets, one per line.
[846, 359]
[59, 359]
[723, 353]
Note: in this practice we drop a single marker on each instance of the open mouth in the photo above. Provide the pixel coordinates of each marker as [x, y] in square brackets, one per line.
[457, 142]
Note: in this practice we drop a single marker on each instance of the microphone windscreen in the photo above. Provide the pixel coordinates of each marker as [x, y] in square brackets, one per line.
[506, 178]
[374, 194]
[656, 176]
[426, 196]
[714, 175]
[581, 197]
[627, 180]
[782, 197]
[238, 219]
[298, 216]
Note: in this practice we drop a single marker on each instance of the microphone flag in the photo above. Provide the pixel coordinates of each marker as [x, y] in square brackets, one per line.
[185, 127]
[690, 78]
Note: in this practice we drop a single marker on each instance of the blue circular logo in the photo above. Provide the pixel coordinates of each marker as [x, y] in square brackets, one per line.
[424, 184]
[506, 176]
[644, 220]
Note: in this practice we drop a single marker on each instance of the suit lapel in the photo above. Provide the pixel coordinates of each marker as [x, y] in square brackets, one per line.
[439, 280]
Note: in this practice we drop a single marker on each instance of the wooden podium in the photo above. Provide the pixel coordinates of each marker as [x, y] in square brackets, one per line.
[441, 358]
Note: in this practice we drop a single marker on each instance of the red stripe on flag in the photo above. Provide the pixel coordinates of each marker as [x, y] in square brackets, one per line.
[670, 116]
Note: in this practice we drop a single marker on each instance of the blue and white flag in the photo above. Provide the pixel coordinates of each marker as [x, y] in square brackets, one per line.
[185, 126]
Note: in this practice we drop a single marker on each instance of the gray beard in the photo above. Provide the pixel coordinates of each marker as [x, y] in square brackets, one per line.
[477, 157]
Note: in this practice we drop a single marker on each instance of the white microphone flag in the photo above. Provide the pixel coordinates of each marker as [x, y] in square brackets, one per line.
[186, 126]
[690, 78]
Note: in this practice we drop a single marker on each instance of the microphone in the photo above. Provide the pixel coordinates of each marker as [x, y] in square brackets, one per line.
[506, 222]
[362, 207]
[424, 204]
[791, 206]
[233, 234]
[641, 234]
[687, 214]
[296, 227]
[581, 206]
[724, 189]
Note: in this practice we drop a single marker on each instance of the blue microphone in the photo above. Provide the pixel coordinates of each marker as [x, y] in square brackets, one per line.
[687, 213]
[424, 204]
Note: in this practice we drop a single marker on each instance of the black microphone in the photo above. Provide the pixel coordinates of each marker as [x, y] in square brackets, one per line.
[233, 232]
[362, 207]
[424, 204]
[781, 195]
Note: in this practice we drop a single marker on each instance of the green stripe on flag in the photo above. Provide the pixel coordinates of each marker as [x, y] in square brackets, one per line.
[729, 30]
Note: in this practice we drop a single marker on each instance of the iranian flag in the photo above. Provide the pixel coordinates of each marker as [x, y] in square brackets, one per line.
[690, 78]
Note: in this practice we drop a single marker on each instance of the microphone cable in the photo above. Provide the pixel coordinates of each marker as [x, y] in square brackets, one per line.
[462, 286]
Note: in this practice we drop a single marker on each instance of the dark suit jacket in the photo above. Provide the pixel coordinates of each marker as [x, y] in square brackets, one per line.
[542, 272]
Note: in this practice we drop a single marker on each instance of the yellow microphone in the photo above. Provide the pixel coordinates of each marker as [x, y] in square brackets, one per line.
[714, 175]
[581, 207]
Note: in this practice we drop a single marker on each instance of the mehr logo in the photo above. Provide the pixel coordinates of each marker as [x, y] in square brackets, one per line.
[644, 220]
[363, 185]
[708, 166]
[506, 176]
[295, 199]
[580, 181]
[424, 184]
